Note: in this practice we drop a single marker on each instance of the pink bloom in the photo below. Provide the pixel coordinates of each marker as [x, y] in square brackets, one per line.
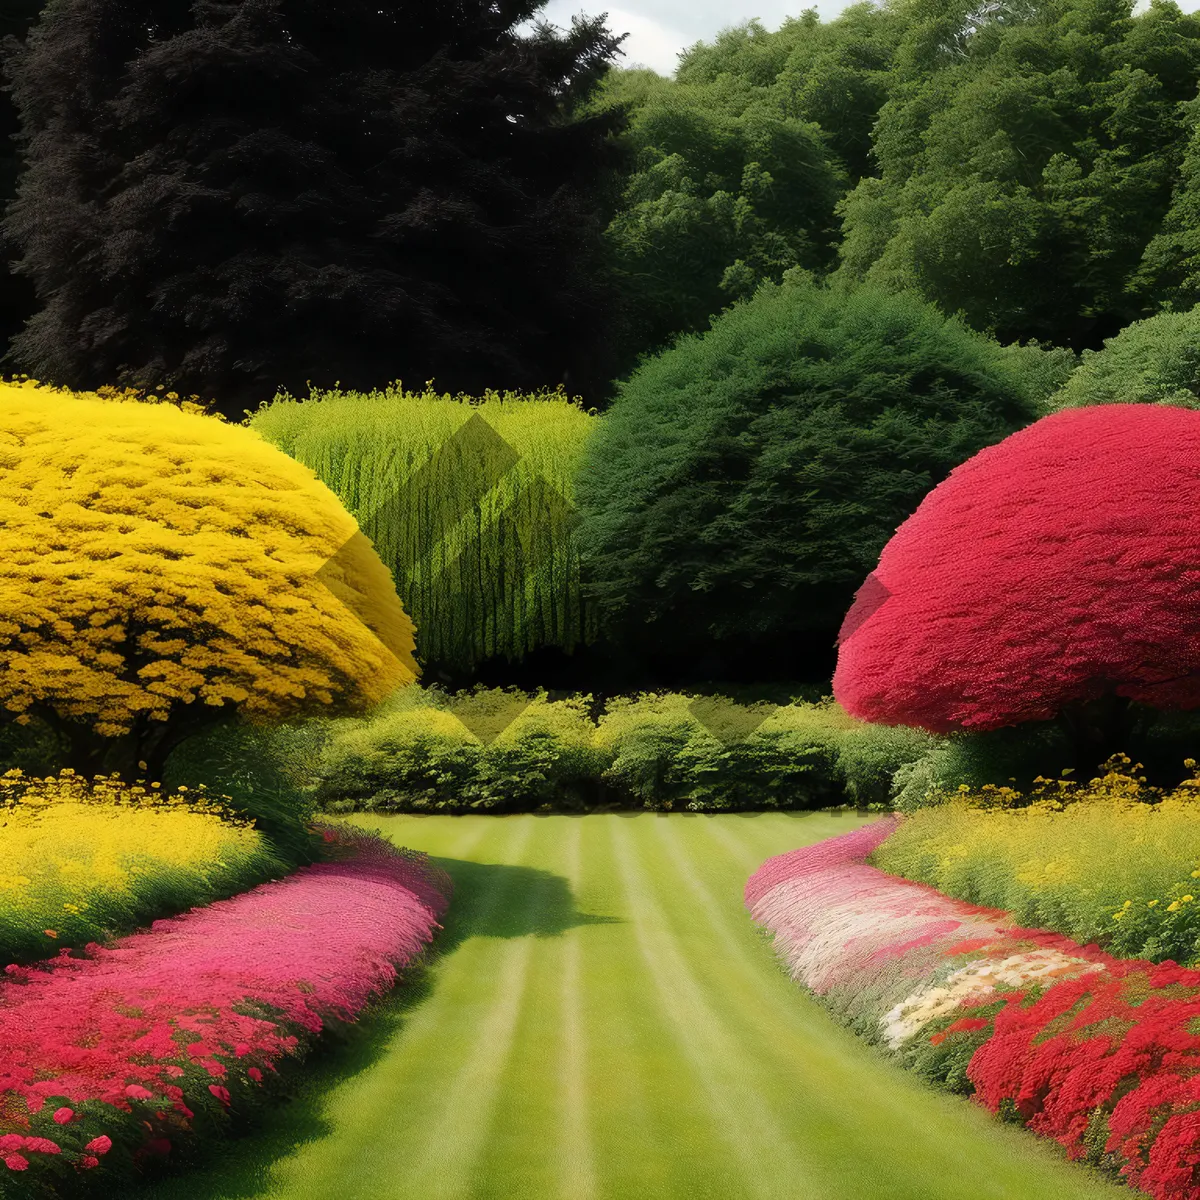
[221, 1093]
[88, 1161]
[63, 1115]
[136, 1092]
[15, 1162]
[41, 1145]
[100, 1145]
[254, 1074]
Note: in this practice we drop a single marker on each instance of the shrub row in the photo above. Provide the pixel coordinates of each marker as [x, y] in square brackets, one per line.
[501, 750]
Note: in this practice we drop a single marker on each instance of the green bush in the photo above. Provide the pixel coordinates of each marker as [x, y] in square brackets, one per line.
[1155, 361]
[998, 757]
[264, 772]
[498, 750]
[489, 750]
[743, 482]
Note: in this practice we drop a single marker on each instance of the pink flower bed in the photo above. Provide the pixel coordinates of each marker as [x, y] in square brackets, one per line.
[122, 1051]
[1101, 1054]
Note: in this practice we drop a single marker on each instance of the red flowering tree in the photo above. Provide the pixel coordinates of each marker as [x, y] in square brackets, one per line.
[1053, 575]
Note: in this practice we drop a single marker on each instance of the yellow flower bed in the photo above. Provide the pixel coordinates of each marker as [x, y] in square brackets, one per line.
[82, 860]
[1113, 862]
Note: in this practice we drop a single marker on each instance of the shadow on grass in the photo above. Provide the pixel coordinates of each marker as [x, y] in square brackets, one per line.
[490, 900]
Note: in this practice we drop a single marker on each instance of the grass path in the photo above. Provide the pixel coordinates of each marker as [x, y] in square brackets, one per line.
[604, 1021]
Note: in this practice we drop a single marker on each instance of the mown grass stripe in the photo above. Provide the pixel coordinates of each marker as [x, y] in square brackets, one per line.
[576, 1154]
[738, 1113]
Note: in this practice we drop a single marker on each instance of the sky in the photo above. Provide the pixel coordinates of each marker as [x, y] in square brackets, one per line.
[659, 29]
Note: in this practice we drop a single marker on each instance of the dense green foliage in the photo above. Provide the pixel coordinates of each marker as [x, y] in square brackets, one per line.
[1155, 361]
[726, 190]
[262, 773]
[1026, 163]
[470, 504]
[226, 199]
[500, 750]
[743, 483]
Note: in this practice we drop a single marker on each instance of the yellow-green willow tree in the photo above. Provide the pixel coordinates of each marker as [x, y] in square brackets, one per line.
[469, 501]
[163, 570]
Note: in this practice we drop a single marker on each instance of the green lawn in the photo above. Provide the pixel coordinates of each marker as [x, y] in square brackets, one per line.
[604, 1021]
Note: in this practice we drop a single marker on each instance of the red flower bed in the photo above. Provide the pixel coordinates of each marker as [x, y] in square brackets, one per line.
[1101, 1054]
[116, 1055]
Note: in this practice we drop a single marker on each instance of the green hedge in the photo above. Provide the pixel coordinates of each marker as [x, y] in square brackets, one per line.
[500, 750]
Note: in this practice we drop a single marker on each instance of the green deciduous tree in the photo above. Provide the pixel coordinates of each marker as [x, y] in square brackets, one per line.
[745, 480]
[1027, 158]
[726, 192]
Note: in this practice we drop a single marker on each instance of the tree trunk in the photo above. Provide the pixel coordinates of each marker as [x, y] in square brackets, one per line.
[150, 742]
[1098, 729]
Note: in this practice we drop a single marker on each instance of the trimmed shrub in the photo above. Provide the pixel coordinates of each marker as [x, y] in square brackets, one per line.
[468, 501]
[501, 750]
[493, 750]
[744, 481]
[1050, 577]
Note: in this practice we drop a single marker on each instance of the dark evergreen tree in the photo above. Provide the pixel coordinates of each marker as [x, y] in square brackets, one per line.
[17, 298]
[229, 198]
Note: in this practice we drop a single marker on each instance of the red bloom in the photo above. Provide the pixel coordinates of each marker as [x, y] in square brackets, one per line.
[100, 1145]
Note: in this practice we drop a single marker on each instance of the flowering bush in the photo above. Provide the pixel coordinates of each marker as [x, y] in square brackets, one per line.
[1036, 576]
[82, 860]
[112, 1058]
[1113, 861]
[163, 569]
[1101, 1054]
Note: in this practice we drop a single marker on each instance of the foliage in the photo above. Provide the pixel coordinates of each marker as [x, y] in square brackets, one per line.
[164, 568]
[115, 1059]
[1156, 361]
[1026, 164]
[489, 750]
[83, 861]
[1036, 578]
[725, 191]
[835, 74]
[502, 750]
[227, 201]
[1113, 861]
[263, 774]
[743, 482]
[469, 503]
[1011, 754]
[1043, 369]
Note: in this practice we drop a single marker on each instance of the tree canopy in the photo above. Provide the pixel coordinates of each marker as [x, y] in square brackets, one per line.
[1026, 162]
[745, 480]
[1037, 579]
[232, 198]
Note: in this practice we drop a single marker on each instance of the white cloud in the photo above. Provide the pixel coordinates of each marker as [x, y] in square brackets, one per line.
[661, 29]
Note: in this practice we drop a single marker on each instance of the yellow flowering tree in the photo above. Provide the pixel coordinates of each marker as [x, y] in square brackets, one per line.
[164, 570]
